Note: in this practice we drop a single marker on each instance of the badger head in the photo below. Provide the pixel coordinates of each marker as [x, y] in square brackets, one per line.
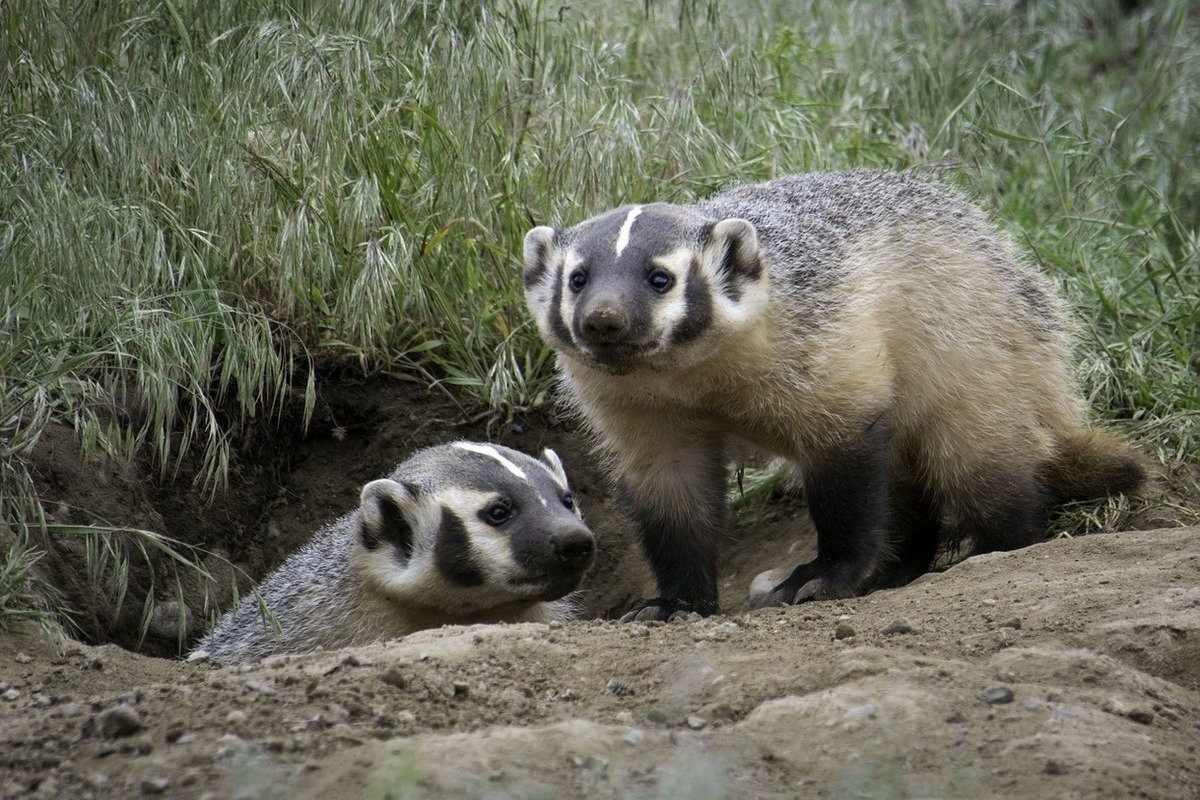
[644, 287]
[466, 528]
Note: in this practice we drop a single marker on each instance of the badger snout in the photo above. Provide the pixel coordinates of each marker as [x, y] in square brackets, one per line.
[553, 564]
[604, 322]
[574, 548]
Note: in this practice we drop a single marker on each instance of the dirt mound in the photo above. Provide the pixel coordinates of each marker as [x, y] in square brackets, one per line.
[1069, 669]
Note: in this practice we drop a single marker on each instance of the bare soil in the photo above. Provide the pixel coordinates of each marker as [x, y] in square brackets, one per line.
[1068, 669]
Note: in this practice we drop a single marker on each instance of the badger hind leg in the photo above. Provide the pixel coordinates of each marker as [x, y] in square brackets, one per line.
[848, 496]
[1005, 511]
[914, 535]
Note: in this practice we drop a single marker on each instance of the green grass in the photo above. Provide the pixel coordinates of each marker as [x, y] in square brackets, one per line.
[201, 203]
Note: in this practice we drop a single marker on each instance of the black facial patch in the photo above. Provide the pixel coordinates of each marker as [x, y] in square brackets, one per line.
[698, 310]
[561, 332]
[394, 528]
[452, 553]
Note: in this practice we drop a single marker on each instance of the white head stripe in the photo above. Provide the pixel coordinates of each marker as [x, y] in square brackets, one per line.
[623, 236]
[491, 452]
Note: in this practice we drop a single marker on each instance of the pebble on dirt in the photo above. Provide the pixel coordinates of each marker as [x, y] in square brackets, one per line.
[116, 722]
[898, 626]
[999, 695]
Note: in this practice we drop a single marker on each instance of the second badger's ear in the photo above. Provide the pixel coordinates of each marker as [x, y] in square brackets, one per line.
[539, 247]
[551, 460]
[386, 514]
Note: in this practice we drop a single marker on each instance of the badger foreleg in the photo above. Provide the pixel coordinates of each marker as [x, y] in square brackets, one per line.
[677, 498]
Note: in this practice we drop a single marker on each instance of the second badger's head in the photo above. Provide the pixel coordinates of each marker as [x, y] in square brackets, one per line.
[467, 528]
[654, 286]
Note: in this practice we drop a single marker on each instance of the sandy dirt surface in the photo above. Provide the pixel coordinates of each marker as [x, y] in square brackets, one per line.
[1068, 669]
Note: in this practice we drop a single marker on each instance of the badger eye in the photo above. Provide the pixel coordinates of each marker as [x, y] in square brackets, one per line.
[577, 280]
[660, 281]
[568, 500]
[497, 513]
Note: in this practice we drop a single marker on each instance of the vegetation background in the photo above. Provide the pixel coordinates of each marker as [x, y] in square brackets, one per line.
[206, 207]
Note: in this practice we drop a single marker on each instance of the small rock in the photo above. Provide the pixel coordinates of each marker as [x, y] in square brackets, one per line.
[616, 687]
[236, 717]
[1141, 715]
[635, 737]
[724, 630]
[998, 695]
[117, 722]
[96, 780]
[260, 687]
[392, 676]
[230, 745]
[898, 626]
[697, 723]
[844, 630]
[155, 785]
[1053, 767]
[23, 658]
[11, 694]
[1014, 623]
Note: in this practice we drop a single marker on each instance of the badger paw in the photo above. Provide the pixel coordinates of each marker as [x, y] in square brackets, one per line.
[665, 609]
[805, 583]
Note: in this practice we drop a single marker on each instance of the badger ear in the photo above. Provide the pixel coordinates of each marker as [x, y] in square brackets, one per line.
[551, 460]
[385, 515]
[733, 248]
[539, 246]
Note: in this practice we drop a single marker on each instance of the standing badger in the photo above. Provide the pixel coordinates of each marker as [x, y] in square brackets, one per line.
[874, 329]
[459, 533]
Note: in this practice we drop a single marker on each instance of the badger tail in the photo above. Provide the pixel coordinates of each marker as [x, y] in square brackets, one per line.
[1091, 464]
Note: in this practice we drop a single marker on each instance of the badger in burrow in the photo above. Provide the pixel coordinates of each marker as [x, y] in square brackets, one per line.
[875, 330]
[459, 533]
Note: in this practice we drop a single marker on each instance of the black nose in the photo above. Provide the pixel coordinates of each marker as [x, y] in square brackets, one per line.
[574, 546]
[605, 323]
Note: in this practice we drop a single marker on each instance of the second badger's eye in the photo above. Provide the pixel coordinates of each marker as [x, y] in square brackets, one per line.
[577, 280]
[568, 500]
[660, 280]
[497, 513]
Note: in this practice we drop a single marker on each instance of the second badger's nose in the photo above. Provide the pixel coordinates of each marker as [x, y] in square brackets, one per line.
[574, 546]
